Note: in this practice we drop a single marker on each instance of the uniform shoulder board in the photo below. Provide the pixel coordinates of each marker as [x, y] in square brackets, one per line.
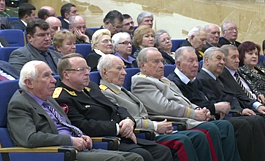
[142, 75]
[103, 87]
[57, 92]
[88, 89]
[72, 93]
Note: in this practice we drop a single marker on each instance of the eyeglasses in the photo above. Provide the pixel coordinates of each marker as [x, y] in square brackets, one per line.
[82, 69]
[105, 41]
[116, 27]
[232, 29]
[126, 43]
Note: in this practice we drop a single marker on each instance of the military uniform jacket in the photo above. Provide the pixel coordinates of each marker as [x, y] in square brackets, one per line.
[163, 97]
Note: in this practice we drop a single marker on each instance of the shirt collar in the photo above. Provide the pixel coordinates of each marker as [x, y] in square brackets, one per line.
[37, 99]
[232, 72]
[183, 77]
[210, 73]
[130, 59]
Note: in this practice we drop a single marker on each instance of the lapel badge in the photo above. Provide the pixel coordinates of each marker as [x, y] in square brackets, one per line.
[87, 106]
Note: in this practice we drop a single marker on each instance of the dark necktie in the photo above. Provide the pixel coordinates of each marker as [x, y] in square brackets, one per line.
[238, 80]
[50, 62]
[76, 131]
[3, 78]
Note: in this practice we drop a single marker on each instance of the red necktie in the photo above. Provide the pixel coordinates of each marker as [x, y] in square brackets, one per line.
[3, 78]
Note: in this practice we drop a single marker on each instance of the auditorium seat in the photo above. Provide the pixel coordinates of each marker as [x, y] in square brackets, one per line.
[168, 68]
[83, 49]
[15, 37]
[130, 72]
[176, 43]
[6, 52]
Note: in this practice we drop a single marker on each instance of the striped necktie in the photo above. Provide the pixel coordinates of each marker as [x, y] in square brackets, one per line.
[238, 80]
[76, 131]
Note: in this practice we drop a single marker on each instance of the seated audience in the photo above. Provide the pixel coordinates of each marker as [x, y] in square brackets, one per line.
[37, 48]
[6, 12]
[128, 24]
[252, 73]
[33, 115]
[26, 13]
[113, 22]
[77, 25]
[123, 48]
[7, 71]
[112, 72]
[95, 115]
[164, 44]
[197, 39]
[213, 36]
[162, 97]
[67, 10]
[230, 33]
[145, 18]
[101, 44]
[64, 42]
[55, 25]
[3, 42]
[45, 12]
[143, 37]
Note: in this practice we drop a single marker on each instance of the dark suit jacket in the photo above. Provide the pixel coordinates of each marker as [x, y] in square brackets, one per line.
[22, 55]
[18, 24]
[30, 126]
[3, 41]
[65, 25]
[167, 58]
[207, 45]
[5, 23]
[230, 83]
[92, 60]
[187, 43]
[193, 91]
[9, 69]
[224, 41]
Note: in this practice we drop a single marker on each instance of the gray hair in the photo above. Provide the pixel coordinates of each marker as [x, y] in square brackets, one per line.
[195, 31]
[72, 20]
[143, 15]
[118, 36]
[142, 56]
[158, 34]
[105, 62]
[228, 47]
[210, 51]
[206, 28]
[28, 71]
[180, 52]
[223, 26]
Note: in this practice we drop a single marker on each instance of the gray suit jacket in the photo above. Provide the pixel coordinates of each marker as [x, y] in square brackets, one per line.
[133, 105]
[30, 126]
[163, 98]
[22, 55]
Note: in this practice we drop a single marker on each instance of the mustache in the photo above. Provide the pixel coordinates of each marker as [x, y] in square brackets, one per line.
[131, 28]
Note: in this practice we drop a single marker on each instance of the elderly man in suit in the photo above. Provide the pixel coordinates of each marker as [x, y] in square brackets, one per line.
[200, 92]
[184, 144]
[162, 97]
[39, 41]
[94, 114]
[230, 33]
[33, 118]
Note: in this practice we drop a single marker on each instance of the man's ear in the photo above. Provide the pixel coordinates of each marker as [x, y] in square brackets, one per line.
[178, 64]
[28, 83]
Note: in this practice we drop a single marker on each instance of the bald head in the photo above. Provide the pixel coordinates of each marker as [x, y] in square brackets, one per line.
[55, 25]
[50, 10]
[213, 34]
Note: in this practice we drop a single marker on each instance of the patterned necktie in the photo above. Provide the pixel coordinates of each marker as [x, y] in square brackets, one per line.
[76, 131]
[50, 62]
[238, 80]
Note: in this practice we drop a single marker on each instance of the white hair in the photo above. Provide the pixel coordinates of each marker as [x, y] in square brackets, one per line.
[195, 31]
[118, 36]
[105, 62]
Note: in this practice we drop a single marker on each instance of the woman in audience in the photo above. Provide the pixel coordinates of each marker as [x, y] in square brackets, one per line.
[164, 45]
[250, 71]
[101, 44]
[143, 37]
[123, 49]
[64, 42]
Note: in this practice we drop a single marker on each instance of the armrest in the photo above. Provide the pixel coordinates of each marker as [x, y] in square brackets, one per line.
[178, 123]
[69, 151]
[108, 143]
[180, 126]
[233, 113]
[145, 134]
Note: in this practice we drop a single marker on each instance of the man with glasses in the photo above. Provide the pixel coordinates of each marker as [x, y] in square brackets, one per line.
[213, 35]
[92, 112]
[123, 49]
[113, 22]
[55, 25]
[230, 33]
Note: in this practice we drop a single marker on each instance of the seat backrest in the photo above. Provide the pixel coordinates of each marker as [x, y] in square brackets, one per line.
[176, 43]
[130, 72]
[95, 77]
[15, 37]
[6, 52]
[168, 68]
[83, 49]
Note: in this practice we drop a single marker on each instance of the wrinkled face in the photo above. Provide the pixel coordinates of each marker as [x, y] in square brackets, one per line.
[2, 5]
[188, 64]
[147, 21]
[199, 40]
[114, 27]
[124, 47]
[230, 32]
[215, 63]
[41, 39]
[68, 46]
[154, 66]
[116, 74]
[128, 25]
[251, 58]
[79, 25]
[148, 40]
[213, 35]
[105, 44]
[232, 60]
[55, 26]
[78, 75]
[44, 84]
[164, 42]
